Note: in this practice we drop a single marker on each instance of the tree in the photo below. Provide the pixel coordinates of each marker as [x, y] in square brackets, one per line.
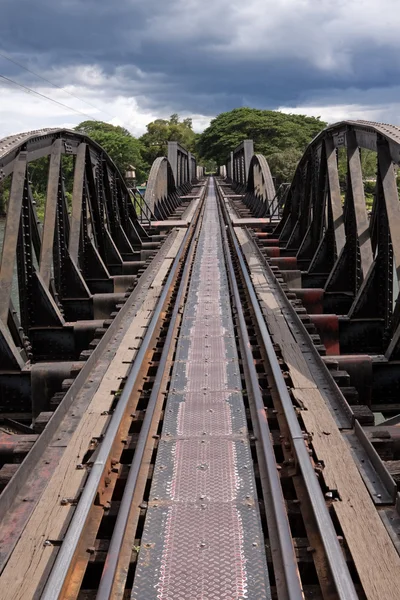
[283, 164]
[368, 159]
[282, 138]
[123, 148]
[5, 185]
[161, 131]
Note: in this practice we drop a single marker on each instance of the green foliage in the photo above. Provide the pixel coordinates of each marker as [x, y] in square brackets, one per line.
[38, 175]
[283, 164]
[123, 148]
[282, 138]
[161, 131]
[368, 160]
[209, 165]
[5, 186]
[368, 166]
[368, 163]
[369, 187]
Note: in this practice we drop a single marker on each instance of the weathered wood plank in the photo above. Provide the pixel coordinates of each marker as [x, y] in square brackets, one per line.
[29, 560]
[373, 552]
[280, 332]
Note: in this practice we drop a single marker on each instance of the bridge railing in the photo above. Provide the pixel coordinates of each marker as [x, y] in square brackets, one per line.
[169, 179]
[143, 210]
[74, 258]
[71, 243]
[250, 175]
[346, 239]
[341, 224]
[183, 165]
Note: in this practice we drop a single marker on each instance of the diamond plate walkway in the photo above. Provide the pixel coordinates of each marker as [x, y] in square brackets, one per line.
[202, 537]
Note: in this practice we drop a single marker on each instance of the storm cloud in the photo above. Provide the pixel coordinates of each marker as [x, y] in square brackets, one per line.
[137, 60]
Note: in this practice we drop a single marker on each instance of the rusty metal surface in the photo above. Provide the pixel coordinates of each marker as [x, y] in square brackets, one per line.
[202, 537]
[36, 470]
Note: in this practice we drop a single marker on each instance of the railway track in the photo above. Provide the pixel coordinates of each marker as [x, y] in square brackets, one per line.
[212, 475]
[185, 409]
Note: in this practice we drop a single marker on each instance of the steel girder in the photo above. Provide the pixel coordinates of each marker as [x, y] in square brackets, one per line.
[238, 163]
[353, 255]
[260, 195]
[169, 179]
[83, 249]
[161, 195]
[251, 176]
[183, 165]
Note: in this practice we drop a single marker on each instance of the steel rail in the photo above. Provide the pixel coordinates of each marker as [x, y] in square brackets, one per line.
[105, 590]
[285, 557]
[344, 416]
[68, 548]
[337, 563]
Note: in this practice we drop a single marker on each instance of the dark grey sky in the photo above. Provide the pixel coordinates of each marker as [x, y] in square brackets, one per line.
[137, 60]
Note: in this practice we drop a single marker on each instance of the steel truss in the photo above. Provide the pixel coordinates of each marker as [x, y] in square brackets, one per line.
[71, 271]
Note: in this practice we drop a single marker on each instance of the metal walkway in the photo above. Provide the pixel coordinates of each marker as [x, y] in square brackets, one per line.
[202, 536]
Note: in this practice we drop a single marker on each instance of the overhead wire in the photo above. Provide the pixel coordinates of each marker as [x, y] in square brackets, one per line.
[31, 91]
[52, 83]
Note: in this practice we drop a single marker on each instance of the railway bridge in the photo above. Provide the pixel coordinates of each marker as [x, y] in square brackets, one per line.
[199, 386]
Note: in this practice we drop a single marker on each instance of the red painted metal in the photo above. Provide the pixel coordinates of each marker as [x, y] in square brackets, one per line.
[359, 367]
[284, 263]
[328, 329]
[272, 251]
[312, 299]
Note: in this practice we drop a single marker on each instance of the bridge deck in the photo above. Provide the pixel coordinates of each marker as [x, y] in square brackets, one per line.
[202, 535]
[55, 475]
[211, 442]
